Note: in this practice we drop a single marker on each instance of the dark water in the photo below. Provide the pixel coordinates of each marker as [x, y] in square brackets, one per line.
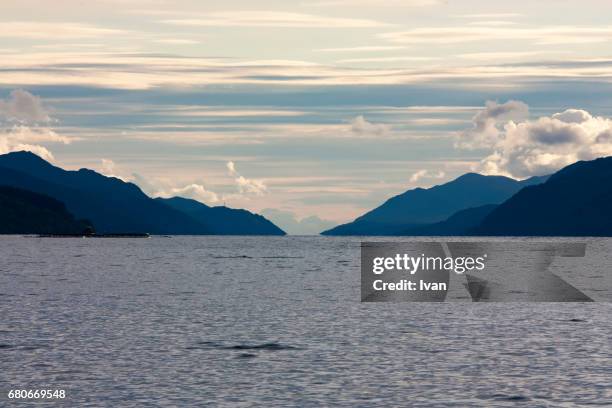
[238, 321]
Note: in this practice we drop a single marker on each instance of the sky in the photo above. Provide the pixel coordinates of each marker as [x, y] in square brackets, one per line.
[310, 112]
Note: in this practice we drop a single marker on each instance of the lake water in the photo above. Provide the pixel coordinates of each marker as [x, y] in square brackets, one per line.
[235, 321]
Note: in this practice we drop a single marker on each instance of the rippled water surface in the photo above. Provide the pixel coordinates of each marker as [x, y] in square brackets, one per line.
[233, 321]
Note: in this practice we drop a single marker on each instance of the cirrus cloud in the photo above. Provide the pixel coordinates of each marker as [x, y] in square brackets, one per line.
[56, 30]
[539, 35]
[262, 18]
[377, 3]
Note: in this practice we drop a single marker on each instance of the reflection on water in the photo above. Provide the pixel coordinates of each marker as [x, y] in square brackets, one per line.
[234, 321]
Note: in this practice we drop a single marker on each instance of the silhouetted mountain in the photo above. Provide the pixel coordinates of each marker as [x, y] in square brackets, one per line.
[575, 201]
[461, 223]
[224, 220]
[420, 206]
[112, 205]
[25, 212]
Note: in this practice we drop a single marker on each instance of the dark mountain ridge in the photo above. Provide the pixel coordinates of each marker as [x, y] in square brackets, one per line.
[25, 212]
[461, 223]
[575, 201]
[419, 207]
[112, 205]
[224, 220]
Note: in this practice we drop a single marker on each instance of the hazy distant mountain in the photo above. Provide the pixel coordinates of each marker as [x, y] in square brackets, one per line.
[25, 212]
[420, 206]
[576, 201]
[461, 223]
[112, 205]
[291, 224]
[224, 220]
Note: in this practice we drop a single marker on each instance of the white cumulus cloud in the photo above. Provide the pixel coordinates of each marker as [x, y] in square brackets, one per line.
[23, 125]
[108, 167]
[246, 185]
[524, 148]
[360, 126]
[41, 151]
[426, 174]
[159, 188]
[111, 169]
[21, 106]
[195, 191]
[485, 123]
[231, 167]
[27, 134]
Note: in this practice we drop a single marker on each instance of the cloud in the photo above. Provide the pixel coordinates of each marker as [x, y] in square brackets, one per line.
[538, 147]
[573, 116]
[251, 186]
[152, 188]
[22, 106]
[165, 188]
[21, 114]
[111, 169]
[27, 134]
[231, 167]
[364, 48]
[108, 167]
[485, 131]
[426, 174]
[489, 15]
[492, 56]
[41, 151]
[539, 35]
[293, 225]
[195, 191]
[388, 59]
[56, 30]
[157, 188]
[129, 70]
[360, 126]
[492, 23]
[177, 41]
[245, 185]
[145, 184]
[273, 19]
[377, 3]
